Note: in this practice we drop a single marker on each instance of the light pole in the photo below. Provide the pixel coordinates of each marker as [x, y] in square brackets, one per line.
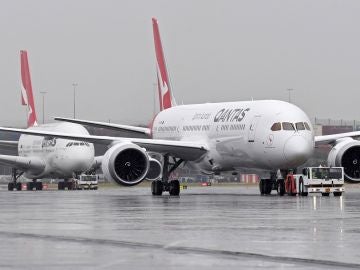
[74, 86]
[289, 90]
[43, 105]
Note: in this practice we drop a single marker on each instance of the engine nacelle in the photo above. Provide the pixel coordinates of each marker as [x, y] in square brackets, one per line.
[346, 153]
[155, 170]
[126, 164]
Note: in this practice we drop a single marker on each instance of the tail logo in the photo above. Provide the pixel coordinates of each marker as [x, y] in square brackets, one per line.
[166, 99]
[164, 94]
[27, 97]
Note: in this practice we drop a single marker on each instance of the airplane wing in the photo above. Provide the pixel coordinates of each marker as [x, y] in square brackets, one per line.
[8, 144]
[22, 163]
[185, 150]
[138, 130]
[331, 139]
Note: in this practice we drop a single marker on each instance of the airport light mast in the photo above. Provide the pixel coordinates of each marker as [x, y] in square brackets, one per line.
[43, 105]
[289, 90]
[74, 87]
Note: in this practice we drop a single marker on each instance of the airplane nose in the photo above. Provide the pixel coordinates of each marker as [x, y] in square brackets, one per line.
[297, 150]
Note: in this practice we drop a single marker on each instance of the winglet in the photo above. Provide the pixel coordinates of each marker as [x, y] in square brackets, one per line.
[166, 99]
[27, 97]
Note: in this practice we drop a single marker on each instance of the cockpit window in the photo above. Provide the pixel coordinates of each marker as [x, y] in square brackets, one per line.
[307, 126]
[288, 126]
[276, 127]
[300, 126]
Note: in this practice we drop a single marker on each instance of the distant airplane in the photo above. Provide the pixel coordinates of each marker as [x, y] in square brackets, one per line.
[265, 135]
[41, 157]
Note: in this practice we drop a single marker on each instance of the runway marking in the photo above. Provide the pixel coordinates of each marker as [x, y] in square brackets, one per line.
[181, 249]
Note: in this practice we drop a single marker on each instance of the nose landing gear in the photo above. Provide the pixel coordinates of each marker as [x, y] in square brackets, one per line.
[276, 182]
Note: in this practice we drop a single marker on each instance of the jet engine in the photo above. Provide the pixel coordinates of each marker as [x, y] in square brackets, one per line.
[346, 153]
[155, 170]
[126, 164]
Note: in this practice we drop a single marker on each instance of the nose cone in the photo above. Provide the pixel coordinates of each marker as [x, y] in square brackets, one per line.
[297, 151]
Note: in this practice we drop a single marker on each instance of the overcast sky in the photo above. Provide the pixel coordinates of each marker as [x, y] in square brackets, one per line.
[216, 51]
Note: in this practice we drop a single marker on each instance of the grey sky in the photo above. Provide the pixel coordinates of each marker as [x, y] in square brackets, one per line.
[216, 51]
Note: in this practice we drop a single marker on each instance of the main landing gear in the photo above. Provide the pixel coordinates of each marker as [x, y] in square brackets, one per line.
[173, 186]
[37, 185]
[67, 183]
[14, 184]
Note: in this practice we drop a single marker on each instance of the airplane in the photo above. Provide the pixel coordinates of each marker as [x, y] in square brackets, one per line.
[266, 135]
[41, 157]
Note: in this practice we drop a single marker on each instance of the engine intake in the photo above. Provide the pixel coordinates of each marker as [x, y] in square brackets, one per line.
[126, 164]
[346, 153]
[155, 170]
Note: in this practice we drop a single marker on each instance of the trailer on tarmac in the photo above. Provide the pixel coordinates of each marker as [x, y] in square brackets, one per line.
[324, 180]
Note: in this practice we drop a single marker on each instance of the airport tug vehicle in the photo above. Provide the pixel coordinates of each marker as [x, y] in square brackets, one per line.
[86, 181]
[324, 180]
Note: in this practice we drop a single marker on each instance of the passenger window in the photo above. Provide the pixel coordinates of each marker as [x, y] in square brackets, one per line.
[300, 126]
[288, 126]
[307, 126]
[276, 127]
[82, 144]
[76, 143]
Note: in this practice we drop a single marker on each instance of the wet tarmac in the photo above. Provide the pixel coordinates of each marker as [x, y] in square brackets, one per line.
[204, 228]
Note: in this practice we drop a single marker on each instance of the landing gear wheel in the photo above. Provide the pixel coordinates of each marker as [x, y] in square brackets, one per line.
[174, 188]
[18, 186]
[70, 185]
[38, 185]
[11, 186]
[268, 187]
[29, 186]
[301, 188]
[325, 194]
[61, 186]
[156, 188]
[281, 187]
[262, 186]
[337, 193]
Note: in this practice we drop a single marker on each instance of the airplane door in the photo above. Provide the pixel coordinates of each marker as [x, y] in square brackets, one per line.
[252, 128]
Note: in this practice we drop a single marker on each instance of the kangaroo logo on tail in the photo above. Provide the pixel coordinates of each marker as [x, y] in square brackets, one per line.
[166, 99]
[27, 98]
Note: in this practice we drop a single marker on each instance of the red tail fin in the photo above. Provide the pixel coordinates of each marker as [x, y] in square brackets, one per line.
[27, 97]
[165, 97]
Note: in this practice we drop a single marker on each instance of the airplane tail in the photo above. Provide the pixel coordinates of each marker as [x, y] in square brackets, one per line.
[27, 98]
[166, 100]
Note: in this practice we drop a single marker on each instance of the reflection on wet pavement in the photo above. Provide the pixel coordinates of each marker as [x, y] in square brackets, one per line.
[217, 227]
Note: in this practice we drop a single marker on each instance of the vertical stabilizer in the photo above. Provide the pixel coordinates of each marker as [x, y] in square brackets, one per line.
[27, 97]
[166, 99]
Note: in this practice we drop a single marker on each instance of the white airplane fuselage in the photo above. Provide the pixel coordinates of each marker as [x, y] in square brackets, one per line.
[239, 134]
[61, 158]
